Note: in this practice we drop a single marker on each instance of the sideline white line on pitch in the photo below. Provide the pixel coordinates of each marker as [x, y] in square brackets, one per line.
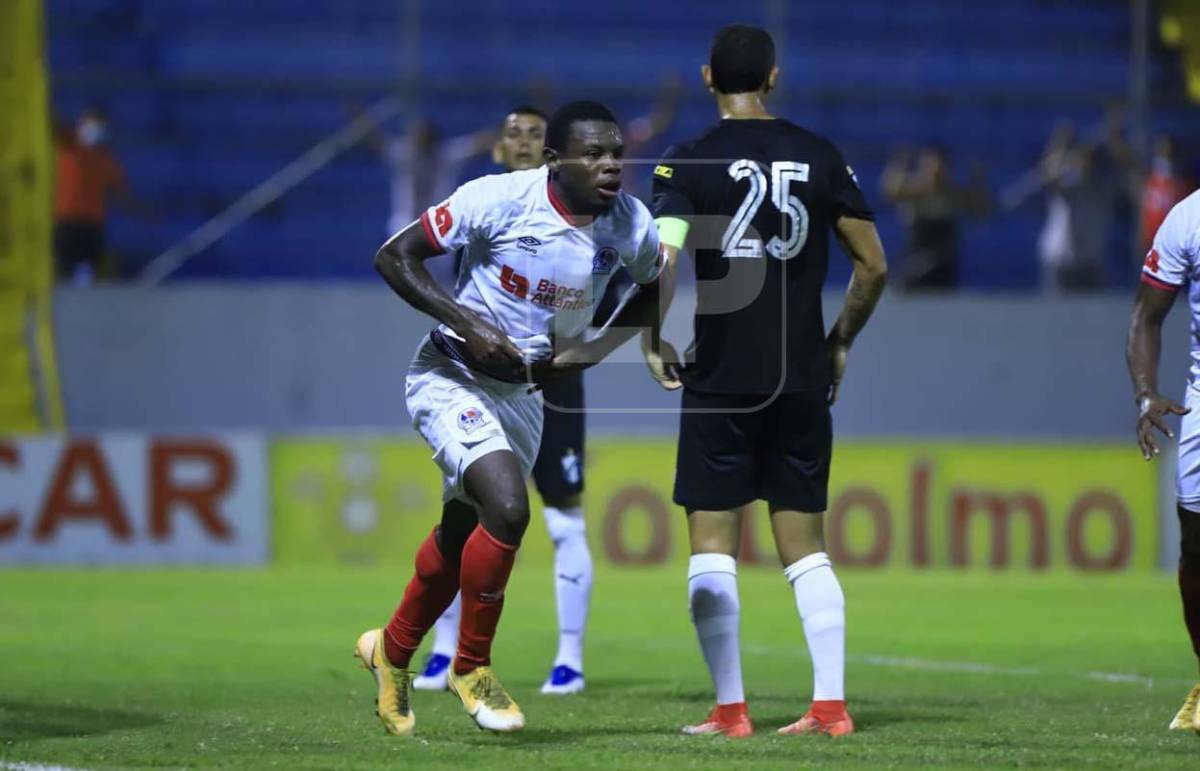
[7, 766]
[897, 662]
[936, 665]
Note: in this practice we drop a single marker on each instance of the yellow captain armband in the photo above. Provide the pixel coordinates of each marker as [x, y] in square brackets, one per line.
[666, 172]
[672, 231]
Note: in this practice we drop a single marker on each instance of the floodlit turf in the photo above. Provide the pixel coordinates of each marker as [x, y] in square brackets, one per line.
[253, 669]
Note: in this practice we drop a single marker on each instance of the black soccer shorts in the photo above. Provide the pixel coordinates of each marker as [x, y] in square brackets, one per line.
[774, 450]
[558, 470]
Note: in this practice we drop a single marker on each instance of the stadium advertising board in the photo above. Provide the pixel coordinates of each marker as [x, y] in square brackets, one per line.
[131, 498]
[942, 505]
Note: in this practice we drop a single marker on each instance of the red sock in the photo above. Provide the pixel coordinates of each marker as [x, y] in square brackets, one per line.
[486, 565]
[1189, 592]
[429, 593]
[829, 711]
[732, 713]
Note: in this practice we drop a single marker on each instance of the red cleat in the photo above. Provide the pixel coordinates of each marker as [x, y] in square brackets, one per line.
[825, 717]
[732, 720]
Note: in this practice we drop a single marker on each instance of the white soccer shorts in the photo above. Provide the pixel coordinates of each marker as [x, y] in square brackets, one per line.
[464, 415]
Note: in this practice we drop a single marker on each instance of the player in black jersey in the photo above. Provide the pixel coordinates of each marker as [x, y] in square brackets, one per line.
[755, 199]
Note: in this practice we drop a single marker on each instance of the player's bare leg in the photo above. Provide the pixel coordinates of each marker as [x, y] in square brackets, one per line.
[572, 590]
[715, 608]
[1188, 717]
[386, 653]
[497, 486]
[799, 539]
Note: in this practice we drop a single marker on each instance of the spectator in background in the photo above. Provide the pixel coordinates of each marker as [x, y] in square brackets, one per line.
[425, 169]
[932, 205]
[1165, 185]
[1085, 185]
[88, 175]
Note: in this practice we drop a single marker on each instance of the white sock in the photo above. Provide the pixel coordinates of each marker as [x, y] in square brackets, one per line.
[572, 582]
[445, 629]
[822, 608]
[713, 598]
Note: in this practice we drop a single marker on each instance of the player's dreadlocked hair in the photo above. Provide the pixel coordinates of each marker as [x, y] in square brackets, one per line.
[559, 127]
[741, 58]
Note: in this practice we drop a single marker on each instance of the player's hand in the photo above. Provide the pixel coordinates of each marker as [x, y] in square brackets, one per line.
[838, 353]
[664, 365]
[1152, 411]
[492, 352]
[570, 359]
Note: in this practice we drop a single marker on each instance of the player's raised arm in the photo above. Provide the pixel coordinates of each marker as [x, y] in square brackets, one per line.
[401, 262]
[861, 241]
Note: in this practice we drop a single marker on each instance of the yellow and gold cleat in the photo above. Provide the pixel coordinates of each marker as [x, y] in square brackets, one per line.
[1188, 716]
[392, 700]
[486, 701]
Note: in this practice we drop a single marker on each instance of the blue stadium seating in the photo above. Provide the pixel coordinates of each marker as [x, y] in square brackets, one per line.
[208, 97]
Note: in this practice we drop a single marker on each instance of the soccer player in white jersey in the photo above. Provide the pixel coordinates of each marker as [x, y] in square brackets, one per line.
[557, 472]
[1172, 264]
[540, 247]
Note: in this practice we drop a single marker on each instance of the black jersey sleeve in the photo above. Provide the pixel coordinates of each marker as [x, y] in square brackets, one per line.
[848, 199]
[671, 197]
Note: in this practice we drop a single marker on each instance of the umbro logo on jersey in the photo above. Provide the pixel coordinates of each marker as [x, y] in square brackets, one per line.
[604, 260]
[528, 244]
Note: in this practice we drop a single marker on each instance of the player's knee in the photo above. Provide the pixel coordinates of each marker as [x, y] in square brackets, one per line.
[563, 502]
[1189, 540]
[564, 524]
[507, 517]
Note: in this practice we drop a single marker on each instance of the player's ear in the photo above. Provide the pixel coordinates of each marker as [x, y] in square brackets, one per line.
[706, 76]
[551, 156]
[771, 78]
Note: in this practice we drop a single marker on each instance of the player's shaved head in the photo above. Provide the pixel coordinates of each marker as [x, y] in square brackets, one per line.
[741, 59]
[528, 109]
[558, 131]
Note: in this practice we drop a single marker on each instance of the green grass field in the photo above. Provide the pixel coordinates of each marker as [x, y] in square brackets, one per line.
[252, 669]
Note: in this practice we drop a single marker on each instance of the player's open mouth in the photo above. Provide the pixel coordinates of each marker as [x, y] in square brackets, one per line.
[609, 189]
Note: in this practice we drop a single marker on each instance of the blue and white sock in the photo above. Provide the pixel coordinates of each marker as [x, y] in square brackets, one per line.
[572, 582]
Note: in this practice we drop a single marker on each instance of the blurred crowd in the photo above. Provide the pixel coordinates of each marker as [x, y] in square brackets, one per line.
[1089, 184]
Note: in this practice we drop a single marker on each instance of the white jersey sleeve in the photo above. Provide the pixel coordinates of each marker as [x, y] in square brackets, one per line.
[646, 262]
[1170, 261]
[475, 212]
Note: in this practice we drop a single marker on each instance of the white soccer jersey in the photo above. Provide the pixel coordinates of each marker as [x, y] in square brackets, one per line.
[529, 266]
[1174, 262]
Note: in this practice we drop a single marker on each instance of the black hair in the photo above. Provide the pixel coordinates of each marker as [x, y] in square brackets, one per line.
[559, 127]
[741, 59]
[528, 109]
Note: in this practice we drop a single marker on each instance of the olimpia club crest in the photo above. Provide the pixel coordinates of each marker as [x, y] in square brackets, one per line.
[604, 260]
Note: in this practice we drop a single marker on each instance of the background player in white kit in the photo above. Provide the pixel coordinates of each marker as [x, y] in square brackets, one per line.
[540, 247]
[1173, 263]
